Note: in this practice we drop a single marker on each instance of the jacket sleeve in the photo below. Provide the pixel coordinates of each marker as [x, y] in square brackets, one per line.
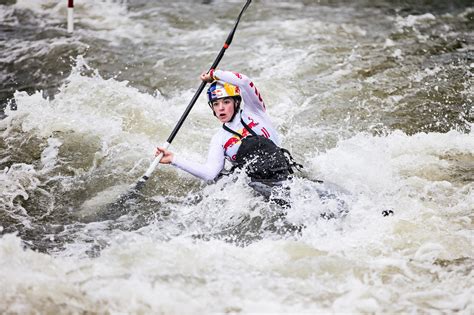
[209, 170]
[250, 94]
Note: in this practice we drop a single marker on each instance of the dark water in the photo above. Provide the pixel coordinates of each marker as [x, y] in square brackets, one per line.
[28, 66]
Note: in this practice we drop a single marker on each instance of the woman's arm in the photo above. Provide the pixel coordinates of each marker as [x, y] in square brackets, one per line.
[250, 94]
[207, 171]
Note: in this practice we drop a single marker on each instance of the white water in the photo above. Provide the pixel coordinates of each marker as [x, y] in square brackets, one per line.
[98, 135]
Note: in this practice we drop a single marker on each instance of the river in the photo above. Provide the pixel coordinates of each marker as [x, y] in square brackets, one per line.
[375, 97]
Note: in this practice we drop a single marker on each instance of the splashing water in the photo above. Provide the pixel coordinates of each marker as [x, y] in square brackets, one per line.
[376, 101]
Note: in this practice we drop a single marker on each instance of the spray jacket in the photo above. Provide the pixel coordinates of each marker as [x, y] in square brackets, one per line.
[225, 144]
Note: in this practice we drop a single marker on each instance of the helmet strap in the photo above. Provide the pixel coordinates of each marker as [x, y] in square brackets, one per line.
[236, 107]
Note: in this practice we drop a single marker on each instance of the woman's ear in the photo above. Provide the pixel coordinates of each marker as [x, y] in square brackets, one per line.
[237, 103]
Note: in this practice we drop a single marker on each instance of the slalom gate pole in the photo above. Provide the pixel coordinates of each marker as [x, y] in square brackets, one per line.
[70, 16]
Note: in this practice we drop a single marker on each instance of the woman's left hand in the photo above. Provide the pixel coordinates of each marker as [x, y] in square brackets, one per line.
[206, 77]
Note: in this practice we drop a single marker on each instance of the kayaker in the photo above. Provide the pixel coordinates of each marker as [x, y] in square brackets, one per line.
[247, 138]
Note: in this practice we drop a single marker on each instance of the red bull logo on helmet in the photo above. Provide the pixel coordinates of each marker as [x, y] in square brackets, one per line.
[218, 90]
[217, 93]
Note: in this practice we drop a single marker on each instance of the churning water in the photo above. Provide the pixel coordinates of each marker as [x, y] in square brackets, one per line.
[375, 97]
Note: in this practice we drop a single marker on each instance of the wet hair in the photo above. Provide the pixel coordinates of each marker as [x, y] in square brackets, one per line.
[237, 101]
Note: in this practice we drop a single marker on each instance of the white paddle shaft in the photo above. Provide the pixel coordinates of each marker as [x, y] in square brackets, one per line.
[156, 161]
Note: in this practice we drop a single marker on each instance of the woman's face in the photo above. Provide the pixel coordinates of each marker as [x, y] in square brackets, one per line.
[224, 108]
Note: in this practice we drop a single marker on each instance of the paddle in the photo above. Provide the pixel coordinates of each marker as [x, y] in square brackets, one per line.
[141, 182]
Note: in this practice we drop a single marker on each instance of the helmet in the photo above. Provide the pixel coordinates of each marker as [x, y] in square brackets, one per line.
[219, 90]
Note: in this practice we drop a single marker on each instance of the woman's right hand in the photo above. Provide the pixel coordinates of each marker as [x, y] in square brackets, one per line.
[167, 155]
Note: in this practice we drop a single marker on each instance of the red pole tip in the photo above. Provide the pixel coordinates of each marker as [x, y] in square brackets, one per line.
[226, 46]
[70, 4]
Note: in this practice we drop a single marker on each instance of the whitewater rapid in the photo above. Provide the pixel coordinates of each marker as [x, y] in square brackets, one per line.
[374, 100]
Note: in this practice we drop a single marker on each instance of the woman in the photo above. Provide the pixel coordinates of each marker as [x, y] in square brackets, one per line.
[247, 138]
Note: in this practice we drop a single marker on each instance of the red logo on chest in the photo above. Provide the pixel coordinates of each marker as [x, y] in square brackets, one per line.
[244, 132]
